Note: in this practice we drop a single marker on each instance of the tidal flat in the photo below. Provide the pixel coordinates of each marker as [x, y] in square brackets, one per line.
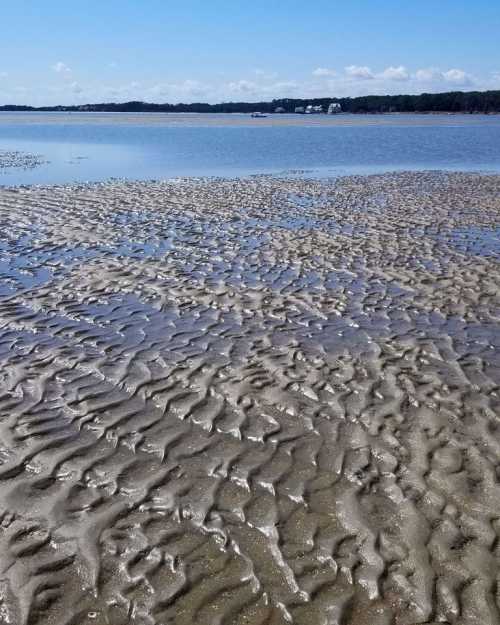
[253, 401]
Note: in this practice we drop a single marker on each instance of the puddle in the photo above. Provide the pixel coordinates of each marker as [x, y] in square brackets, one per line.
[475, 240]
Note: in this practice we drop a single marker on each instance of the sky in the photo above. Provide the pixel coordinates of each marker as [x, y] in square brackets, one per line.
[55, 52]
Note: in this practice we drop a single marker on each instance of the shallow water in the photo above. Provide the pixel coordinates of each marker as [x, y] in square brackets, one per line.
[93, 147]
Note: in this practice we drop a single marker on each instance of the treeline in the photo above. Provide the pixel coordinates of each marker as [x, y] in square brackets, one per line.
[450, 102]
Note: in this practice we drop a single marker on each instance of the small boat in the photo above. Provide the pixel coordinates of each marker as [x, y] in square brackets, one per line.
[258, 114]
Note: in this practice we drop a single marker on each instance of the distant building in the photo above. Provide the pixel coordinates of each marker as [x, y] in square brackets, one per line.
[300, 109]
[313, 110]
[334, 108]
[279, 109]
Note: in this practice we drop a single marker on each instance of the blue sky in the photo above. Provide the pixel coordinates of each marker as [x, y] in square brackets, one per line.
[163, 51]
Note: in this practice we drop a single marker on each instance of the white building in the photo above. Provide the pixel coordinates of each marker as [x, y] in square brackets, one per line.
[310, 109]
[334, 108]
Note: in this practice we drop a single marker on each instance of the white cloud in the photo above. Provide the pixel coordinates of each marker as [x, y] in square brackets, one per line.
[61, 68]
[323, 71]
[192, 87]
[428, 74]
[242, 86]
[282, 86]
[4, 74]
[129, 91]
[256, 85]
[359, 72]
[457, 76]
[433, 74]
[395, 73]
[160, 89]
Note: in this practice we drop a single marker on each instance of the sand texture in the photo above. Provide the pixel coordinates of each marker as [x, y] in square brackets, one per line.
[251, 402]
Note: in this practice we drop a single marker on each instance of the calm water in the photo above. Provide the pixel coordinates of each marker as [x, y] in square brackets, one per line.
[82, 147]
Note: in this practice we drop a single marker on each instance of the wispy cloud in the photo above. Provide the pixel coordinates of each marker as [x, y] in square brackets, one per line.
[61, 68]
[185, 89]
[258, 89]
[324, 72]
[263, 74]
[242, 86]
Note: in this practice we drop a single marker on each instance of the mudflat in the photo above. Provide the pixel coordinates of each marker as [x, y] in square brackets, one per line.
[253, 401]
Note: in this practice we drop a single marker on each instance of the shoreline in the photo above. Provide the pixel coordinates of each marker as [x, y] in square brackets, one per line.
[255, 398]
[244, 119]
[298, 175]
[342, 114]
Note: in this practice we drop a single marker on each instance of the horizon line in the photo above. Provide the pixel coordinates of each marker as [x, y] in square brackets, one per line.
[249, 103]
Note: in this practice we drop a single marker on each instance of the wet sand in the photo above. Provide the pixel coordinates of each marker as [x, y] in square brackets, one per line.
[257, 401]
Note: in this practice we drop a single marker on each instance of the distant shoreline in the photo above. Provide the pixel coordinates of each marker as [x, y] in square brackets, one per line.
[344, 113]
[452, 102]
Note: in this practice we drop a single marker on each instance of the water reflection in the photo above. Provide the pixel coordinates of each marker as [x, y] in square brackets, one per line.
[97, 148]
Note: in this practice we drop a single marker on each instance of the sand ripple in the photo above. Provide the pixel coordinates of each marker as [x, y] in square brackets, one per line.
[256, 401]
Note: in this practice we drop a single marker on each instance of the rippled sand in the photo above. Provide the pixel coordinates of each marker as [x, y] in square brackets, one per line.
[249, 402]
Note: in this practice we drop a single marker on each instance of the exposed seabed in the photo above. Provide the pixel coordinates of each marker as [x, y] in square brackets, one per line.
[255, 401]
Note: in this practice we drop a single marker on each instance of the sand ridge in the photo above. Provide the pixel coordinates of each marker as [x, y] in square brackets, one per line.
[258, 401]
[244, 119]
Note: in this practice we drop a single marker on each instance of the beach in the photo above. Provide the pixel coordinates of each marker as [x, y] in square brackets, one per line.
[249, 401]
